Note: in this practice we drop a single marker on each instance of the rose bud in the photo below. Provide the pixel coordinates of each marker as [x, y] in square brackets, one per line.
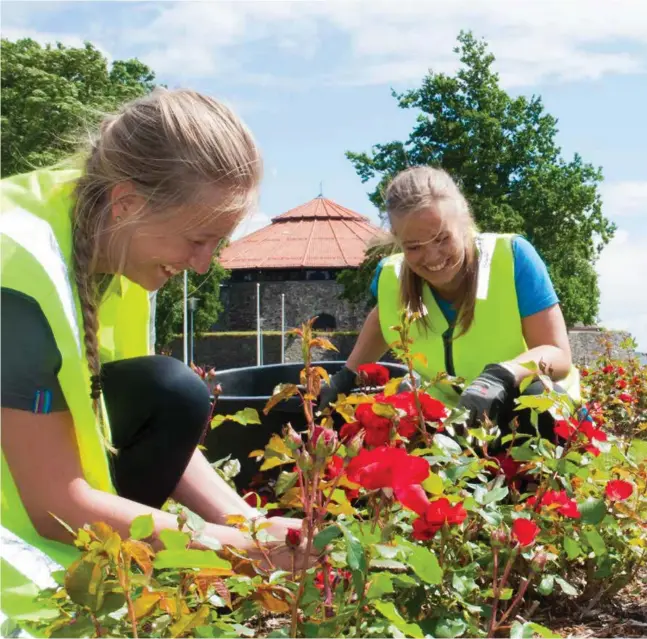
[292, 438]
[293, 537]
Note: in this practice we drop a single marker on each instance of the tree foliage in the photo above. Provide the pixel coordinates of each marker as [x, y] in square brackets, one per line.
[502, 151]
[52, 93]
[169, 307]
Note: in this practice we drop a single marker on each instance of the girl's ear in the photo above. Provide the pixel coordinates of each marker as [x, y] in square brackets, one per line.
[124, 201]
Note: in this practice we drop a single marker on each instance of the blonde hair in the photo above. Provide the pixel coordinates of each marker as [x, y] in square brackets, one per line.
[169, 145]
[421, 188]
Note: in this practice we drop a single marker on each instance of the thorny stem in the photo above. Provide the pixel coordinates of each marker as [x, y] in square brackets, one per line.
[498, 588]
[125, 585]
[327, 579]
[522, 591]
[97, 626]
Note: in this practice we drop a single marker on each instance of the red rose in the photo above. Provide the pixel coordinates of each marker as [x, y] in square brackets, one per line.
[525, 531]
[293, 537]
[584, 372]
[432, 409]
[378, 428]
[621, 384]
[255, 500]
[413, 497]
[373, 374]
[386, 467]
[567, 506]
[618, 490]
[334, 468]
[626, 397]
[349, 430]
[438, 513]
[565, 428]
[509, 467]
[607, 369]
[620, 371]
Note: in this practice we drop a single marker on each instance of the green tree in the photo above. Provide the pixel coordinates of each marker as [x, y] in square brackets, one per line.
[52, 93]
[170, 304]
[502, 152]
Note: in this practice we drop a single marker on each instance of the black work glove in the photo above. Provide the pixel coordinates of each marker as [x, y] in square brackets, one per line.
[488, 393]
[344, 381]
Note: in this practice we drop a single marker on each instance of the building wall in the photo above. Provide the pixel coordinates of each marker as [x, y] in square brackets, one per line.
[232, 351]
[303, 300]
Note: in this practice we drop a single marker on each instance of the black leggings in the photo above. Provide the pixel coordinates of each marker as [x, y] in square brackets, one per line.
[158, 410]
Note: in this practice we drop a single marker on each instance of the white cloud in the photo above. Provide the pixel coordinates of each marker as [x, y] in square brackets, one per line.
[623, 300]
[622, 199]
[253, 222]
[391, 42]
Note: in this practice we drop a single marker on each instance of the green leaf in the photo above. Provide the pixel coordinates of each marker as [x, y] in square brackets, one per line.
[566, 587]
[425, 565]
[404, 581]
[504, 595]
[191, 558]
[495, 495]
[285, 482]
[637, 451]
[381, 585]
[530, 629]
[142, 527]
[592, 511]
[244, 417]
[85, 584]
[572, 548]
[112, 602]
[82, 626]
[388, 610]
[546, 585]
[174, 539]
[447, 444]
[525, 382]
[387, 564]
[523, 453]
[355, 557]
[323, 538]
[540, 403]
[595, 541]
[449, 628]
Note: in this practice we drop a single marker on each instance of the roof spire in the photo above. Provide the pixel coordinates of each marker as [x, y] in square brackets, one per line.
[320, 189]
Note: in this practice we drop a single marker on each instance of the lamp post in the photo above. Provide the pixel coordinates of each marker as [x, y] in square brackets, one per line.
[193, 307]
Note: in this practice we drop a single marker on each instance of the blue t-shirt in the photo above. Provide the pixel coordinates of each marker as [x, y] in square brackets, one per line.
[535, 291]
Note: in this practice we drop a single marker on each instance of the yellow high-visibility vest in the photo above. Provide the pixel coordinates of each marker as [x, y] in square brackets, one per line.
[36, 254]
[495, 336]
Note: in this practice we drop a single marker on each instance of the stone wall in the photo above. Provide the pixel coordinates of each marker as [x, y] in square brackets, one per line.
[232, 351]
[303, 300]
[587, 344]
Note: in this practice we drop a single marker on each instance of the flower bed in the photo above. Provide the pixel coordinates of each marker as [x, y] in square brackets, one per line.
[420, 530]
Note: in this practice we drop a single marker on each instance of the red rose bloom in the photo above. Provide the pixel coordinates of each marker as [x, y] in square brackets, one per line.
[334, 468]
[584, 372]
[525, 531]
[626, 397]
[508, 466]
[567, 506]
[373, 374]
[621, 384]
[386, 467]
[378, 428]
[607, 369]
[620, 371]
[438, 513]
[349, 430]
[618, 490]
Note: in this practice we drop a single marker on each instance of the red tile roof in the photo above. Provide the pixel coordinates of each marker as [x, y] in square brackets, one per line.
[317, 234]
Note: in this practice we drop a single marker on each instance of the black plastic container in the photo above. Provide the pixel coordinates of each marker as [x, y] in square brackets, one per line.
[252, 387]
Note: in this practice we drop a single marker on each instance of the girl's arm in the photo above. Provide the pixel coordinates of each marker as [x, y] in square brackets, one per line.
[547, 339]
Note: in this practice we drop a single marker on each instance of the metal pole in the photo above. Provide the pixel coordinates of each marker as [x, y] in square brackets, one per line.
[191, 337]
[184, 330]
[282, 328]
[258, 324]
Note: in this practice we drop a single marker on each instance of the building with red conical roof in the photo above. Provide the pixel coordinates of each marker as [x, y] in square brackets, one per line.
[299, 254]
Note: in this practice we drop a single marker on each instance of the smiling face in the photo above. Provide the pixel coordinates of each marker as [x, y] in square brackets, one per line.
[433, 248]
[159, 245]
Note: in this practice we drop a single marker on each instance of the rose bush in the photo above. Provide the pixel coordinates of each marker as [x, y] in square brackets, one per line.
[420, 531]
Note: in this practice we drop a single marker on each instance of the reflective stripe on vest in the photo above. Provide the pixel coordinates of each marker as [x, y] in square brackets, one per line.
[496, 333]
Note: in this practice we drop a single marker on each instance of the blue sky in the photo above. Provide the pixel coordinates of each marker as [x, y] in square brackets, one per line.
[313, 79]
